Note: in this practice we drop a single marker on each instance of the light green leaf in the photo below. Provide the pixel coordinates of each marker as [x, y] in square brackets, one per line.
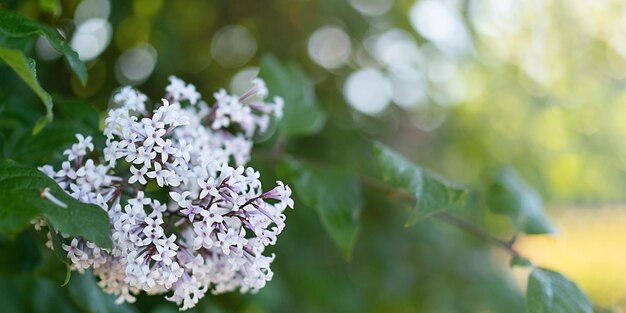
[25, 69]
[41, 123]
[86, 293]
[509, 195]
[20, 192]
[334, 194]
[15, 25]
[433, 193]
[302, 114]
[51, 6]
[551, 292]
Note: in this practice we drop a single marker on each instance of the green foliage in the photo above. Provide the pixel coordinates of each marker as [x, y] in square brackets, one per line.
[336, 196]
[20, 254]
[71, 117]
[551, 292]
[510, 196]
[25, 68]
[15, 25]
[88, 296]
[392, 269]
[20, 191]
[51, 6]
[517, 260]
[302, 114]
[432, 193]
[59, 252]
[28, 294]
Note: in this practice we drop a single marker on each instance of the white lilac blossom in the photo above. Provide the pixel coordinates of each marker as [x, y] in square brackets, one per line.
[211, 231]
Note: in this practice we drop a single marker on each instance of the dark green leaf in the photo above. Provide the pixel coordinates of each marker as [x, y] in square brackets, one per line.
[510, 196]
[302, 114]
[28, 294]
[71, 118]
[551, 292]
[20, 255]
[86, 293]
[15, 25]
[19, 43]
[25, 68]
[334, 194]
[517, 260]
[432, 193]
[57, 244]
[20, 191]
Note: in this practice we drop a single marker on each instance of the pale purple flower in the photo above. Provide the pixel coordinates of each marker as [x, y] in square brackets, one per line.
[137, 175]
[66, 171]
[144, 156]
[208, 187]
[153, 135]
[213, 232]
[181, 198]
[164, 254]
[159, 174]
[166, 149]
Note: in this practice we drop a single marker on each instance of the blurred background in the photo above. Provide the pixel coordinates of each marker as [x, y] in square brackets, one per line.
[461, 87]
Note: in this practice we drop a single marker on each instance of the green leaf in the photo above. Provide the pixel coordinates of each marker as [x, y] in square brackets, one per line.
[41, 123]
[15, 25]
[20, 255]
[302, 114]
[71, 118]
[433, 193]
[34, 295]
[517, 260]
[86, 293]
[20, 191]
[510, 196]
[334, 194]
[57, 244]
[51, 6]
[25, 69]
[551, 292]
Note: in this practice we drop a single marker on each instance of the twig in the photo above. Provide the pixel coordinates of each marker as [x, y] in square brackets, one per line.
[402, 195]
[475, 231]
[279, 148]
[468, 227]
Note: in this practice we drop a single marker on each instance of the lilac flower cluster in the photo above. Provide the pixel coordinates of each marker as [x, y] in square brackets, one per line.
[212, 230]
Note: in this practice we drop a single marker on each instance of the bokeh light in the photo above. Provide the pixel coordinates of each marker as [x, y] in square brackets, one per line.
[397, 49]
[90, 9]
[91, 38]
[368, 91]
[440, 22]
[372, 7]
[329, 46]
[45, 51]
[135, 65]
[93, 30]
[242, 81]
[233, 46]
[408, 88]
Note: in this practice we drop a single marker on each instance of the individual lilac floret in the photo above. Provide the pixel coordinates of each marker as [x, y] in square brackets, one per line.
[212, 230]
